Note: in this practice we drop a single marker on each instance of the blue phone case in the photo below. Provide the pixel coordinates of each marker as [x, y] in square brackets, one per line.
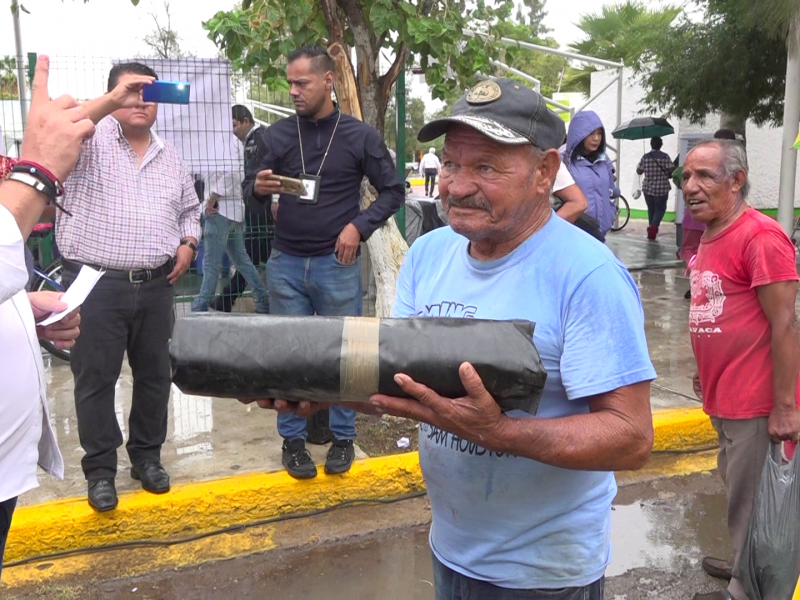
[166, 92]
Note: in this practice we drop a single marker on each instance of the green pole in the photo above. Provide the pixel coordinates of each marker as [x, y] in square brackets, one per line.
[400, 149]
[32, 56]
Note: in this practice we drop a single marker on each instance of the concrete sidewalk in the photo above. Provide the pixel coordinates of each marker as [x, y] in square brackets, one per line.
[215, 438]
[224, 457]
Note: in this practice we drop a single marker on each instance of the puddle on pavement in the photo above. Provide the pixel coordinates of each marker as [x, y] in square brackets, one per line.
[397, 565]
[669, 531]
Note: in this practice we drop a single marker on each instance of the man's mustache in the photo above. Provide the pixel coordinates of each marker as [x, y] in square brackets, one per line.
[468, 202]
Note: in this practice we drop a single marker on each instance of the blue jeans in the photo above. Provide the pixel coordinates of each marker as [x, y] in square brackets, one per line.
[221, 234]
[315, 285]
[450, 585]
[656, 208]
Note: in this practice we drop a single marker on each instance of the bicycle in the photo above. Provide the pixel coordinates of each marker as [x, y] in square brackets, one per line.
[49, 280]
[623, 213]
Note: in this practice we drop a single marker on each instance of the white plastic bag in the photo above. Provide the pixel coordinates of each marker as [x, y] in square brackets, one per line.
[770, 563]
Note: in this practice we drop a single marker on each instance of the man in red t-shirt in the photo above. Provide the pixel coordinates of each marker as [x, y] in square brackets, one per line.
[744, 332]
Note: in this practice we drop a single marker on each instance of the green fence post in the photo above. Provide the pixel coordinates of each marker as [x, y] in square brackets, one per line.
[31, 66]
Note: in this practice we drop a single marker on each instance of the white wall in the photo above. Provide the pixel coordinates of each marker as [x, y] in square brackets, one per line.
[763, 143]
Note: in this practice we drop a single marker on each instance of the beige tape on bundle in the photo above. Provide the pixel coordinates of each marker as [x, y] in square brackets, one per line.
[359, 371]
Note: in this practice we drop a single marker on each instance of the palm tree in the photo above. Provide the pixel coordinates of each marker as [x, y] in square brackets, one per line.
[621, 33]
[8, 78]
[779, 19]
[775, 17]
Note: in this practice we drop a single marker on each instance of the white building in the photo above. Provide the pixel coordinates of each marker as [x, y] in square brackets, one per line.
[763, 143]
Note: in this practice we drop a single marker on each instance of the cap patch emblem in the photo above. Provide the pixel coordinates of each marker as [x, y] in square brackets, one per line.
[484, 92]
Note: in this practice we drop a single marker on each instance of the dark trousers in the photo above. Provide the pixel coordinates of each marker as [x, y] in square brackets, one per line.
[656, 208]
[120, 316]
[257, 246]
[743, 448]
[450, 585]
[430, 178]
[6, 510]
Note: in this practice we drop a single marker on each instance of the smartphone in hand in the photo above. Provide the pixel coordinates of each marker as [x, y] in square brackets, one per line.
[166, 92]
[290, 185]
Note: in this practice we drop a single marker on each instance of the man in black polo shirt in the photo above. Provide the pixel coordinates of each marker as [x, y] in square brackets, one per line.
[315, 266]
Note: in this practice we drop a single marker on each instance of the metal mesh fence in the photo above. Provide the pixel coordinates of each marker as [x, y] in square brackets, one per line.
[203, 134]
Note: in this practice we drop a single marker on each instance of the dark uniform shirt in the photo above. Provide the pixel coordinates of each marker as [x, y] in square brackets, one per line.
[357, 151]
[255, 149]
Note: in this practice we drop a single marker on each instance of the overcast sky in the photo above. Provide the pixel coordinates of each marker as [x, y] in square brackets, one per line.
[115, 27]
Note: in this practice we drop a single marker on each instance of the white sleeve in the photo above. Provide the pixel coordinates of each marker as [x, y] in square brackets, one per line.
[13, 272]
[563, 178]
[221, 184]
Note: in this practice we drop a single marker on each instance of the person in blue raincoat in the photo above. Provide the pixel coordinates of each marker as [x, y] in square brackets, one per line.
[590, 166]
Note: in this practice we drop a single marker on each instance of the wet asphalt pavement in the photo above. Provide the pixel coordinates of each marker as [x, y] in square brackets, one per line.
[213, 438]
[660, 532]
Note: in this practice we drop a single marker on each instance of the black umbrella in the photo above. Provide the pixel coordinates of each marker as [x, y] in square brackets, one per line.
[643, 127]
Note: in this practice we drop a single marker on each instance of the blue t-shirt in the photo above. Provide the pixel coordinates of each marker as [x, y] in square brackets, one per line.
[512, 521]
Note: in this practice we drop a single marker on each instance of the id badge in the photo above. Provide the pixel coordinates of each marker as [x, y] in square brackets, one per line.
[311, 183]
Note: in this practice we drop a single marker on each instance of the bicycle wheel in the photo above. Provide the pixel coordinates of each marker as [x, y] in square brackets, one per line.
[623, 213]
[49, 280]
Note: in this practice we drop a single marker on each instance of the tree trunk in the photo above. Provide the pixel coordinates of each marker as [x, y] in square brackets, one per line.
[373, 112]
[387, 248]
[736, 123]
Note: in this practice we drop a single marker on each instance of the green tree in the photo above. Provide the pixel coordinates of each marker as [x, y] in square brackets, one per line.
[164, 41]
[263, 32]
[732, 61]
[628, 32]
[8, 78]
[532, 14]
[554, 72]
[415, 119]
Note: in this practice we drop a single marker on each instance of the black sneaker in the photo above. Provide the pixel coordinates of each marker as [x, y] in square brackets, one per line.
[340, 457]
[297, 459]
[222, 304]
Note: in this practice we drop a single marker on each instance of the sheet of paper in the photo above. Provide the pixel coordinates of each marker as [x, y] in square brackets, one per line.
[77, 293]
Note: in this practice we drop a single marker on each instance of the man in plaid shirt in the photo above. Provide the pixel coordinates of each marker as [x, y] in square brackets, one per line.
[135, 213]
[657, 168]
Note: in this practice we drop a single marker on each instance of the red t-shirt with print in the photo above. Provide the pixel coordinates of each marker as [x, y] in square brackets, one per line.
[730, 333]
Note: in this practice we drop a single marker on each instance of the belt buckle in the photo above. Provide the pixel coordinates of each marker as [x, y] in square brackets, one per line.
[134, 279]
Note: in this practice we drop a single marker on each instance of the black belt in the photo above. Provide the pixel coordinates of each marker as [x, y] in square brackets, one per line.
[134, 275]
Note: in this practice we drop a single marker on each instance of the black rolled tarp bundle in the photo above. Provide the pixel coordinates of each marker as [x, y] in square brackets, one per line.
[335, 359]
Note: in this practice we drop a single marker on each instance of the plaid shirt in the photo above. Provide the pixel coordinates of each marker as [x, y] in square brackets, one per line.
[657, 167]
[127, 215]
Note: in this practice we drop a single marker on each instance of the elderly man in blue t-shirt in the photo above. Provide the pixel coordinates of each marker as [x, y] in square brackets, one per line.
[527, 505]
[521, 505]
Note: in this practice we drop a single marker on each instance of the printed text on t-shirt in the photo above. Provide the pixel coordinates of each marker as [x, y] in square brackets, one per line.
[443, 438]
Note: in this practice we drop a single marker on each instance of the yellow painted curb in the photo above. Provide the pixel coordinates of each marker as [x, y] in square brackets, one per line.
[682, 429]
[194, 508]
[201, 507]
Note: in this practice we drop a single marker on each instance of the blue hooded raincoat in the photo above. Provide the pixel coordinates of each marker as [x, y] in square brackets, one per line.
[595, 178]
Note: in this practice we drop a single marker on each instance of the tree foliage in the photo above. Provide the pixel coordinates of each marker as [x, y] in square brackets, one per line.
[164, 41]
[728, 61]
[8, 78]
[432, 32]
[629, 32]
[554, 72]
[531, 13]
[415, 119]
